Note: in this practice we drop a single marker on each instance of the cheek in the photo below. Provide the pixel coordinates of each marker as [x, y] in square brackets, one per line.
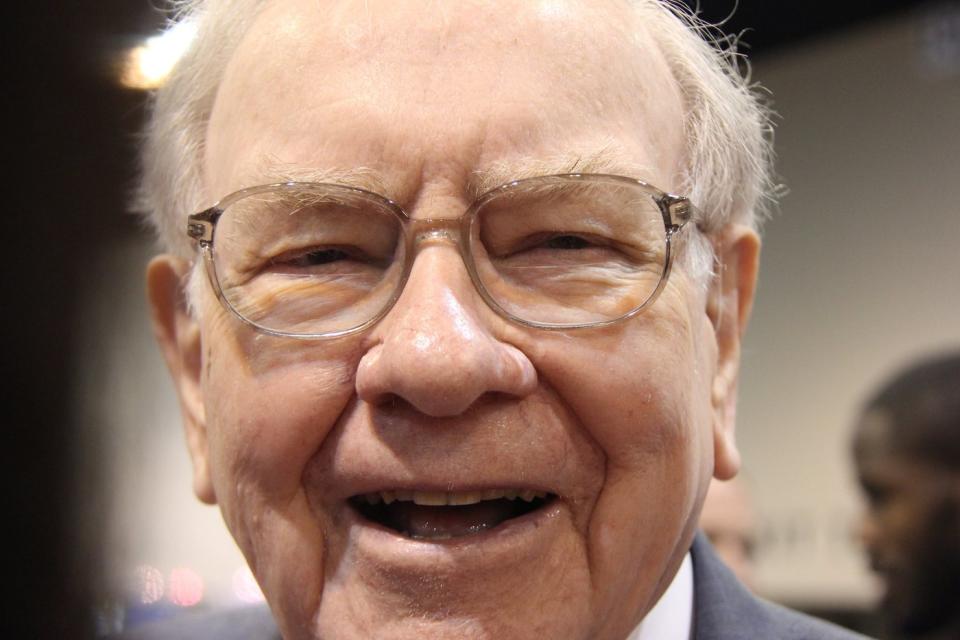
[269, 407]
[263, 429]
[642, 394]
[642, 391]
[906, 522]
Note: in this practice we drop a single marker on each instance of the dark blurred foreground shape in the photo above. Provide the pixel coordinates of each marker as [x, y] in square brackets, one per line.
[907, 451]
[69, 171]
[69, 165]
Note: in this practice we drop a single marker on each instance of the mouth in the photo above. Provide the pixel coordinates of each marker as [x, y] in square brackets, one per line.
[442, 515]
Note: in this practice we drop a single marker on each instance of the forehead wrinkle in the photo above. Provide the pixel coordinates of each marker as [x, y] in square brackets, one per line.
[605, 160]
[268, 171]
[500, 128]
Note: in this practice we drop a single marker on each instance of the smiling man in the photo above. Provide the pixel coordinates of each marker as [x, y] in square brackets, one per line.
[454, 361]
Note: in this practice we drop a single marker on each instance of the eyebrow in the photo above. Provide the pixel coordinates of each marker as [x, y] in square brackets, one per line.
[478, 182]
[270, 171]
[602, 161]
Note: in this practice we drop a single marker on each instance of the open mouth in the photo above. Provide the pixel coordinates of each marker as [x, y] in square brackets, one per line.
[440, 515]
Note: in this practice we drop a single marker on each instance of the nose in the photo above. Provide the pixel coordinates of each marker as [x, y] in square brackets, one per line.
[866, 531]
[436, 349]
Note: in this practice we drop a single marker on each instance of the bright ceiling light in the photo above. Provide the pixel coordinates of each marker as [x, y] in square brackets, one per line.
[148, 65]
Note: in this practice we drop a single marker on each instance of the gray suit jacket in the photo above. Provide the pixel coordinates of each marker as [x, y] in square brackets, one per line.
[723, 610]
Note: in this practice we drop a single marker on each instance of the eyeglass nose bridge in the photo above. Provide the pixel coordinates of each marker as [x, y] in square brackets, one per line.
[422, 232]
[433, 230]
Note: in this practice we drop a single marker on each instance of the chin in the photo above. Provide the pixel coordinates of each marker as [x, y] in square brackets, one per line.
[466, 571]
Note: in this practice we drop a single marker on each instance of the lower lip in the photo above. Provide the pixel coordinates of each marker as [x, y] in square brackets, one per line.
[521, 538]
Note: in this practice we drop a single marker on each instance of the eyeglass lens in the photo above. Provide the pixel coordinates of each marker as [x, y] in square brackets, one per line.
[321, 259]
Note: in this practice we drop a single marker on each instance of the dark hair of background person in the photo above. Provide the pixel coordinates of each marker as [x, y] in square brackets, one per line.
[922, 408]
[67, 183]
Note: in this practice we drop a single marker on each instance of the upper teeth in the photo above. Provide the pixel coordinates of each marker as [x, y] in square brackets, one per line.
[443, 498]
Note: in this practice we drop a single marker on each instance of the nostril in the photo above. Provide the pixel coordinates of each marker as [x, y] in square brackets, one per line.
[394, 375]
[438, 356]
[391, 402]
[445, 386]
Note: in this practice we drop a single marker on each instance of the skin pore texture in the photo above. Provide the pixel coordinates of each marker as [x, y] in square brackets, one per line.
[624, 425]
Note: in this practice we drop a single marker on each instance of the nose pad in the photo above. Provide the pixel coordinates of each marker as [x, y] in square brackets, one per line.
[436, 349]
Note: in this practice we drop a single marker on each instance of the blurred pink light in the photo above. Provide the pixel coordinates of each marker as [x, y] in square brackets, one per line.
[186, 587]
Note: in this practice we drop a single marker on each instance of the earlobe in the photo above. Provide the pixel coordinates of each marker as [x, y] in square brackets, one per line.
[729, 303]
[178, 335]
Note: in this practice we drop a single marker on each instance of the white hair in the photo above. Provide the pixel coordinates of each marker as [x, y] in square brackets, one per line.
[728, 155]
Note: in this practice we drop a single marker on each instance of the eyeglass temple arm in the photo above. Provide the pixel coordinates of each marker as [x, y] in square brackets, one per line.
[679, 212]
[200, 225]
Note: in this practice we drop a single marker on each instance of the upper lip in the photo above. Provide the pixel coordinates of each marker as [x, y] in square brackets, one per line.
[372, 485]
[336, 481]
[879, 564]
[441, 498]
[367, 478]
[370, 452]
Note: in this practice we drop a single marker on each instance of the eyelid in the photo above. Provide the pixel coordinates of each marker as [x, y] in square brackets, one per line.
[294, 254]
[593, 238]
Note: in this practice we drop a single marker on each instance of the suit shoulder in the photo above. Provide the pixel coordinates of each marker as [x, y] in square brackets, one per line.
[787, 624]
[726, 610]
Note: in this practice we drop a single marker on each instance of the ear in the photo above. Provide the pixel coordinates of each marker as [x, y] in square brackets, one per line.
[179, 336]
[729, 302]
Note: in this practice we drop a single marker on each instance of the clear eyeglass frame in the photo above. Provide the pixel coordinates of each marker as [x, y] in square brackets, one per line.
[676, 211]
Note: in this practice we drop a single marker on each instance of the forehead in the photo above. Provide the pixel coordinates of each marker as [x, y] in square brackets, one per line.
[874, 434]
[873, 444]
[442, 89]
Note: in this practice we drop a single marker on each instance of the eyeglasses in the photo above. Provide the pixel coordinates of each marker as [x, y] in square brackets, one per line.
[313, 260]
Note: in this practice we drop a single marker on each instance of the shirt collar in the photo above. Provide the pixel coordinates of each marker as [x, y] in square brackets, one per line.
[671, 617]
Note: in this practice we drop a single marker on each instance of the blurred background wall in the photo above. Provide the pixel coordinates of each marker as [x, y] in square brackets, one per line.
[860, 274]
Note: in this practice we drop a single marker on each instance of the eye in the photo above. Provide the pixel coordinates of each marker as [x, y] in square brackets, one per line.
[878, 494]
[319, 257]
[560, 241]
[567, 242]
[554, 246]
[326, 260]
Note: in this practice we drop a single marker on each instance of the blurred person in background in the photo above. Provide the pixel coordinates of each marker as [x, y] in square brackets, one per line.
[907, 452]
[729, 522]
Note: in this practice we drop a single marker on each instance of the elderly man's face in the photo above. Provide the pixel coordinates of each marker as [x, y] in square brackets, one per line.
[621, 427]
